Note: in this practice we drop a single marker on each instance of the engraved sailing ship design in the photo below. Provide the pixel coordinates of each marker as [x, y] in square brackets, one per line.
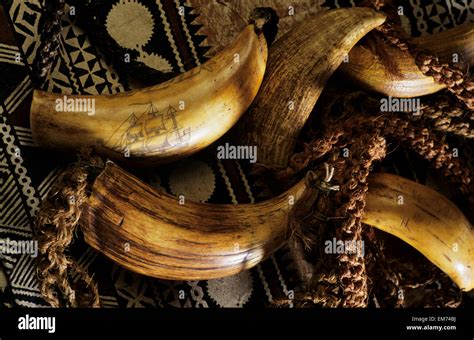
[150, 131]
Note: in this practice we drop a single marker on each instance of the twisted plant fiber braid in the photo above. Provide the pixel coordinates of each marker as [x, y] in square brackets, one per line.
[446, 115]
[440, 112]
[347, 208]
[350, 200]
[377, 262]
[365, 128]
[367, 133]
[434, 149]
[407, 129]
[50, 27]
[412, 132]
[460, 84]
[56, 224]
[394, 277]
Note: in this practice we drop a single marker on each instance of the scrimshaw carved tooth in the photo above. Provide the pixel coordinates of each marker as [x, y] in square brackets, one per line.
[160, 123]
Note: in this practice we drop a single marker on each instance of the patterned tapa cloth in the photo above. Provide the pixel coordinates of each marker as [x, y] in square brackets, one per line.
[163, 38]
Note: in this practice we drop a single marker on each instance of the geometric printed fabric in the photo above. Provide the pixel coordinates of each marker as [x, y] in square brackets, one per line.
[168, 47]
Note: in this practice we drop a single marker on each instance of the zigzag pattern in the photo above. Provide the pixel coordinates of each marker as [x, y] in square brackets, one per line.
[25, 181]
[26, 16]
[193, 27]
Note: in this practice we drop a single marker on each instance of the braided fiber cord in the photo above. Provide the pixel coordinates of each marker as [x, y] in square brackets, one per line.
[445, 115]
[461, 85]
[440, 112]
[391, 278]
[56, 224]
[350, 200]
[365, 136]
[428, 144]
[346, 209]
[414, 132]
[424, 133]
[50, 40]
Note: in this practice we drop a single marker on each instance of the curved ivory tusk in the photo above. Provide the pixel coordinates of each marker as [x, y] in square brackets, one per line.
[427, 221]
[367, 71]
[299, 65]
[151, 233]
[163, 122]
[176, 241]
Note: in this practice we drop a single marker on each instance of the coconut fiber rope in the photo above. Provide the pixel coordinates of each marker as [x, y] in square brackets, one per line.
[422, 134]
[437, 113]
[50, 41]
[340, 209]
[442, 115]
[459, 83]
[337, 210]
[446, 115]
[441, 112]
[365, 136]
[56, 224]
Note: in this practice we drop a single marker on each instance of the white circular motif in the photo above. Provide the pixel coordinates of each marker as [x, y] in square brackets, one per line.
[130, 24]
[195, 180]
[231, 291]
